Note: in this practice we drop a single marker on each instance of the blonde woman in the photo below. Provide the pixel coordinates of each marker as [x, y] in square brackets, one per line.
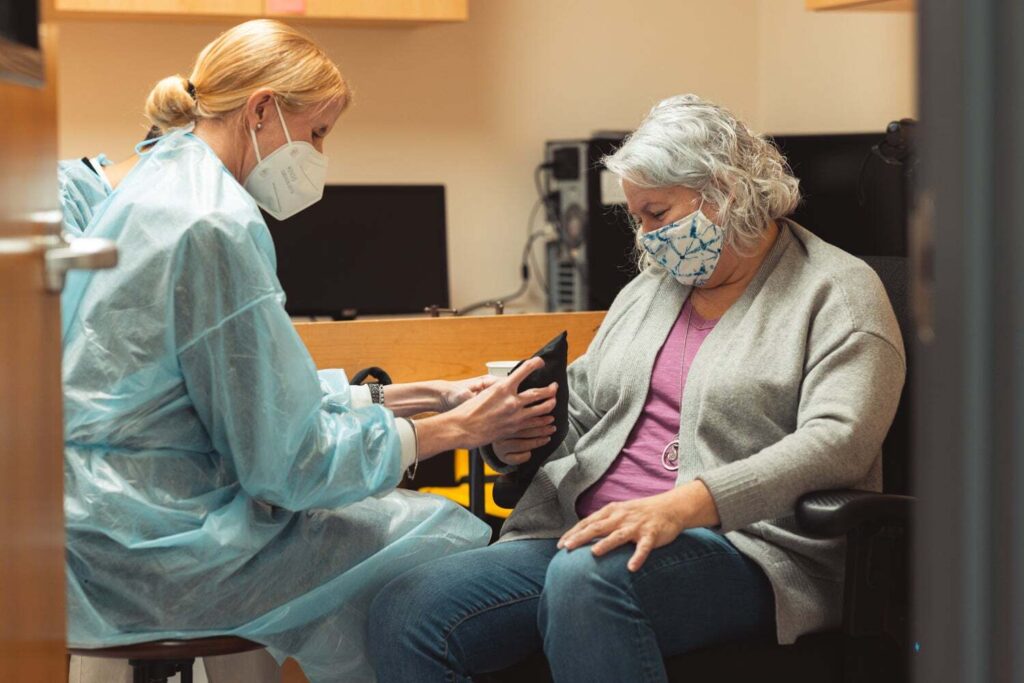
[214, 483]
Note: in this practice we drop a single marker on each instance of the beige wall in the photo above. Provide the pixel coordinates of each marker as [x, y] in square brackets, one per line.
[470, 105]
[833, 71]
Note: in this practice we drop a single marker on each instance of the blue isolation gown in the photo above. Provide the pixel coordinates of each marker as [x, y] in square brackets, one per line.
[214, 482]
[81, 190]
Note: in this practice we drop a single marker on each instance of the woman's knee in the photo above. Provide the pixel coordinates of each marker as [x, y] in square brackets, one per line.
[386, 616]
[461, 614]
[419, 609]
[574, 576]
[404, 609]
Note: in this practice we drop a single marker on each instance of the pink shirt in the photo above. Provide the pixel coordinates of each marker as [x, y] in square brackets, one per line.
[638, 471]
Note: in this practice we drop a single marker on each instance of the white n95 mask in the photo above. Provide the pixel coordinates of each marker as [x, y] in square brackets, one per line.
[689, 248]
[290, 179]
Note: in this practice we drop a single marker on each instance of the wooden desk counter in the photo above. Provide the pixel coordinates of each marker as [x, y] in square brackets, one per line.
[414, 349]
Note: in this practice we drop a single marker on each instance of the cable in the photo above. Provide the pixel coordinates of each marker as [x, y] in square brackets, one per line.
[524, 270]
[893, 149]
[373, 371]
[542, 280]
[542, 192]
[534, 235]
[544, 195]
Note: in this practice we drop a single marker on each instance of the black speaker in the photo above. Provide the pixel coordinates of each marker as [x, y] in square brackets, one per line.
[594, 255]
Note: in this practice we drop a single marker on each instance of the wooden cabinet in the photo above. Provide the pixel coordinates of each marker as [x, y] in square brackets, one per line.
[372, 10]
[865, 5]
[334, 11]
[144, 8]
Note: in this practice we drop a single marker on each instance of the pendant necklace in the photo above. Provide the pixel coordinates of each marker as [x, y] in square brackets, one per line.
[670, 454]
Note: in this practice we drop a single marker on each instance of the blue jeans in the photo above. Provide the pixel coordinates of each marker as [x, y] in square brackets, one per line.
[483, 610]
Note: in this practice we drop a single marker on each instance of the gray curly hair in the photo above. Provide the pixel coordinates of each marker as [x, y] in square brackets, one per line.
[690, 142]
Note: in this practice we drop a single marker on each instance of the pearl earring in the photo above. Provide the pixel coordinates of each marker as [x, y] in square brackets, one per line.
[259, 126]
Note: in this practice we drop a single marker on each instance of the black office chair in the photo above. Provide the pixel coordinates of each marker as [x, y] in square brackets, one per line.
[873, 645]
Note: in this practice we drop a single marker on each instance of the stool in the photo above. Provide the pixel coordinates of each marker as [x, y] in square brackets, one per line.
[158, 660]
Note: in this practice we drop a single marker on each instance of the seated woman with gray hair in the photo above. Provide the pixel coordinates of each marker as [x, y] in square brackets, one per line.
[747, 364]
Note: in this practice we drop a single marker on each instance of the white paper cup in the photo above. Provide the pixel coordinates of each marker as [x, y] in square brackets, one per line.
[501, 368]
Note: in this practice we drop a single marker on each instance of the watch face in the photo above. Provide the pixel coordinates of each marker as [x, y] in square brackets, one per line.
[574, 225]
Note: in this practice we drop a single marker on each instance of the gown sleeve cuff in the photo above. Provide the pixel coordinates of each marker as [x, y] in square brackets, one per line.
[359, 394]
[407, 438]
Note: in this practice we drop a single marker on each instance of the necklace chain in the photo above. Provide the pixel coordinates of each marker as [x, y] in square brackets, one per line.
[670, 454]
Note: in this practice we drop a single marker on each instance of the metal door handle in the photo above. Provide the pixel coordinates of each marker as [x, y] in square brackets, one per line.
[84, 253]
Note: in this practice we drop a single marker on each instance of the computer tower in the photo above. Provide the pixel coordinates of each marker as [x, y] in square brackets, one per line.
[594, 255]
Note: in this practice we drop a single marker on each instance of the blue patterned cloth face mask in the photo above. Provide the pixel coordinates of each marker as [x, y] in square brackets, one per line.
[689, 248]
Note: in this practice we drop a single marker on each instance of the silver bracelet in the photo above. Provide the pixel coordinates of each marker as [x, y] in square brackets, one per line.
[376, 393]
[416, 446]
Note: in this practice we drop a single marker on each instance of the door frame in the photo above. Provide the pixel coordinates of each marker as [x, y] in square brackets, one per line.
[968, 256]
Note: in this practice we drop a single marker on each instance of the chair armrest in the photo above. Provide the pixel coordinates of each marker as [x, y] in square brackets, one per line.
[828, 514]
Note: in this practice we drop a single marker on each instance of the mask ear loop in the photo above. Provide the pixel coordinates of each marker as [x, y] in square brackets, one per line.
[695, 214]
[283, 124]
[256, 145]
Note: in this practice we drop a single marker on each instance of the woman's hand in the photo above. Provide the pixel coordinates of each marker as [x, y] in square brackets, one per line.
[496, 413]
[518, 448]
[454, 394]
[500, 411]
[648, 522]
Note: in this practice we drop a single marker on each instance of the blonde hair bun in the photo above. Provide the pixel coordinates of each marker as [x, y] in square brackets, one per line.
[169, 104]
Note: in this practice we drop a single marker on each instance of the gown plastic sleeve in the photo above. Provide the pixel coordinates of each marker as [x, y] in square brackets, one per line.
[337, 391]
[257, 392]
[360, 396]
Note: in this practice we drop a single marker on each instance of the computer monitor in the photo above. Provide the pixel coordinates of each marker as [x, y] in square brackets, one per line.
[21, 60]
[852, 197]
[365, 250]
